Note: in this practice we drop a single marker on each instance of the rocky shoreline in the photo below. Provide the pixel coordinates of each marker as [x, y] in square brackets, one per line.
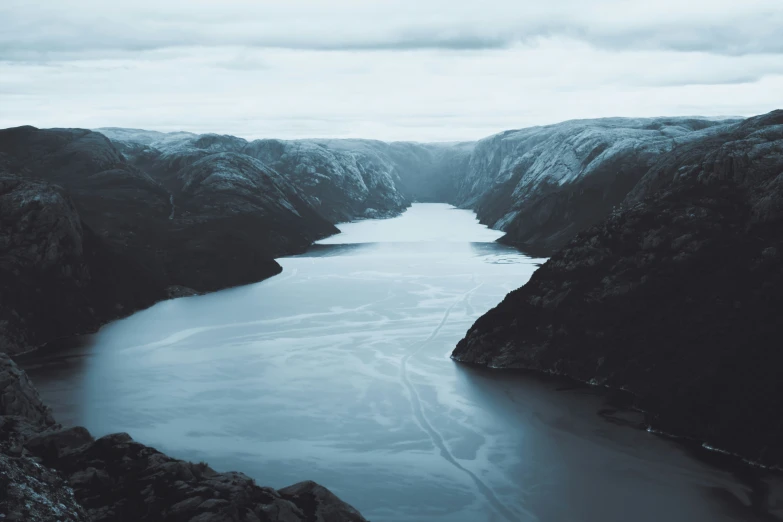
[50, 472]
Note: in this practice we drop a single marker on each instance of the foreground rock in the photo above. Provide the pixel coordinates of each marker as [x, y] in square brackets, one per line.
[676, 297]
[52, 473]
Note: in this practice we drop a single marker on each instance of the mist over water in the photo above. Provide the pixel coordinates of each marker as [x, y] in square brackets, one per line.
[338, 371]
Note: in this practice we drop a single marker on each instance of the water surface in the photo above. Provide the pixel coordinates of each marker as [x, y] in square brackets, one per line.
[338, 370]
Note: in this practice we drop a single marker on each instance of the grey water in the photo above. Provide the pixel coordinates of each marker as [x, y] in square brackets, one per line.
[338, 370]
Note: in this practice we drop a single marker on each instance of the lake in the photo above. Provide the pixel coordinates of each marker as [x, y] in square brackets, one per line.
[338, 370]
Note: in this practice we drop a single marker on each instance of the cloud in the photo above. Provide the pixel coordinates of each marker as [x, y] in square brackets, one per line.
[403, 69]
[68, 29]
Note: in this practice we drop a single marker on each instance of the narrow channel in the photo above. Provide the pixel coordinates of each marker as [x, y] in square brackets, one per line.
[338, 370]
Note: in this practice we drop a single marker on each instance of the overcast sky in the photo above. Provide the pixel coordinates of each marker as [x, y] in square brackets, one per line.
[427, 70]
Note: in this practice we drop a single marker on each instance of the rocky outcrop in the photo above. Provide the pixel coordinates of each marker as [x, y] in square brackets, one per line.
[676, 297]
[28, 490]
[542, 185]
[48, 472]
[117, 479]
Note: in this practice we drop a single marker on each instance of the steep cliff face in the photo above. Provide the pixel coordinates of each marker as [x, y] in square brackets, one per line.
[230, 217]
[542, 185]
[88, 237]
[426, 172]
[676, 297]
[48, 472]
[58, 277]
[28, 491]
[341, 184]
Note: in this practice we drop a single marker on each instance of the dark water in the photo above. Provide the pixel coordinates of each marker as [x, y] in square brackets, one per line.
[338, 370]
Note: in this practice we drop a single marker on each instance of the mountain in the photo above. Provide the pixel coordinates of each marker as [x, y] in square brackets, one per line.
[48, 472]
[76, 214]
[202, 212]
[342, 179]
[676, 297]
[342, 185]
[58, 276]
[427, 172]
[542, 185]
[188, 212]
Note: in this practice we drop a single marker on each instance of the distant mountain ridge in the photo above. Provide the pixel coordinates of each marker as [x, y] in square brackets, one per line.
[540, 185]
[342, 179]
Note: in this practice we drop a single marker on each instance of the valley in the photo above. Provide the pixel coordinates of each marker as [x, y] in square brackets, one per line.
[283, 298]
[338, 370]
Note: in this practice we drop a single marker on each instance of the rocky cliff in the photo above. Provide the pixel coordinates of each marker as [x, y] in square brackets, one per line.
[676, 297]
[542, 185]
[48, 472]
[87, 236]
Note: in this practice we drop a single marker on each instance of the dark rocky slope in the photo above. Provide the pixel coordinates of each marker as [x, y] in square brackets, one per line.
[48, 472]
[88, 237]
[542, 185]
[231, 213]
[58, 276]
[677, 297]
[152, 215]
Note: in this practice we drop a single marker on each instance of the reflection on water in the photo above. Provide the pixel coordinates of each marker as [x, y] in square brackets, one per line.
[338, 370]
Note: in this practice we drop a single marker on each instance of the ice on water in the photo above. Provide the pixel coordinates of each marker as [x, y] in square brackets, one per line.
[338, 370]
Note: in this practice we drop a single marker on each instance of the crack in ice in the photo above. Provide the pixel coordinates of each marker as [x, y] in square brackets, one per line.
[437, 438]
